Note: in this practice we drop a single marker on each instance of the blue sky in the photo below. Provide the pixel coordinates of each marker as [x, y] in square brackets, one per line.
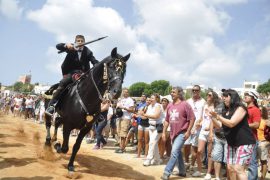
[219, 43]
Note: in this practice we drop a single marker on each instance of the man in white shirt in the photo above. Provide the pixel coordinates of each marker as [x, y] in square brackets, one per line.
[197, 103]
[127, 105]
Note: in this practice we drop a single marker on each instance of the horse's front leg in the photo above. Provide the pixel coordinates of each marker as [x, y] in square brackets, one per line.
[77, 145]
[48, 124]
[66, 135]
[58, 122]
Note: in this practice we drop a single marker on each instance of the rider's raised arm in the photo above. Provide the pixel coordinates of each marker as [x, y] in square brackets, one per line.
[61, 46]
[65, 47]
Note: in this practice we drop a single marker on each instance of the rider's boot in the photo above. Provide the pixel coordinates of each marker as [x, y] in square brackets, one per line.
[51, 106]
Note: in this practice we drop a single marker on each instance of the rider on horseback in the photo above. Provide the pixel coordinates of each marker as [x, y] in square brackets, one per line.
[76, 61]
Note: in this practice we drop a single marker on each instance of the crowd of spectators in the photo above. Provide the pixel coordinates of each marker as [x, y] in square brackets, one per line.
[216, 132]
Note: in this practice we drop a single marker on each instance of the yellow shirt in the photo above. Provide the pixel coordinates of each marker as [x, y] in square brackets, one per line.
[260, 131]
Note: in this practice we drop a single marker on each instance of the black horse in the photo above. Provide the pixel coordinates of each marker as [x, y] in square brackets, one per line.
[80, 107]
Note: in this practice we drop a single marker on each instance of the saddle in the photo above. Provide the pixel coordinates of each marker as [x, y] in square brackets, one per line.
[76, 77]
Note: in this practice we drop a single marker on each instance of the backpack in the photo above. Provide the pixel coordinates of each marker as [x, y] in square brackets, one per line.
[267, 133]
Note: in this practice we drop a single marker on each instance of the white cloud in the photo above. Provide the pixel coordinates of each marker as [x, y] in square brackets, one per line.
[54, 64]
[242, 49]
[174, 40]
[80, 17]
[227, 2]
[264, 56]
[183, 35]
[10, 9]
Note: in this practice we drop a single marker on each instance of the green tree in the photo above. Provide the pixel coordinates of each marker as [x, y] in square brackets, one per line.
[264, 88]
[188, 95]
[148, 91]
[138, 88]
[22, 88]
[160, 86]
[18, 86]
[168, 90]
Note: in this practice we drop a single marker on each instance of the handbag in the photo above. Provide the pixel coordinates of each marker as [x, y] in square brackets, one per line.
[144, 122]
[118, 112]
[159, 128]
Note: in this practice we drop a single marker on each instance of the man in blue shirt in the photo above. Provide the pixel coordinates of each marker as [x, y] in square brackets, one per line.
[142, 103]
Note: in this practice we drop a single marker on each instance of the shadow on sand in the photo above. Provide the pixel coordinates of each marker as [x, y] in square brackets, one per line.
[6, 145]
[108, 168]
[8, 162]
[28, 178]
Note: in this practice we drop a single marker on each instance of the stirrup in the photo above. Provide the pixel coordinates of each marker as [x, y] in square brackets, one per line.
[50, 110]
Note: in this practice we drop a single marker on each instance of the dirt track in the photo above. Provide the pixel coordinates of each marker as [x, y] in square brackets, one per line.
[22, 156]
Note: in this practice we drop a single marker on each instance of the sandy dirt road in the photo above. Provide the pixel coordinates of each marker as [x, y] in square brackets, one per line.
[23, 157]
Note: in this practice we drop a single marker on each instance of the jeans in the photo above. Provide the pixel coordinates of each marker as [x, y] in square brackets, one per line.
[176, 156]
[99, 128]
[253, 166]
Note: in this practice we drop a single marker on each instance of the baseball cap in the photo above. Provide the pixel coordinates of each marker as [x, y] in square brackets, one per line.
[253, 94]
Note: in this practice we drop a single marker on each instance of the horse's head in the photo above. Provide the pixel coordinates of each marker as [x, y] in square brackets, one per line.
[116, 69]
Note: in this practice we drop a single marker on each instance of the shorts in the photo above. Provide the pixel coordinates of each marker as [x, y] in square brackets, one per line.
[219, 150]
[192, 140]
[240, 155]
[143, 128]
[133, 129]
[122, 127]
[204, 135]
[262, 149]
[113, 123]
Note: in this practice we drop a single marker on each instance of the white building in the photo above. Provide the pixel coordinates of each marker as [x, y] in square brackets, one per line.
[41, 89]
[251, 85]
[5, 93]
[248, 86]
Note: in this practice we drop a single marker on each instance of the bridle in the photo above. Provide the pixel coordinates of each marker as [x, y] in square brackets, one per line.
[119, 66]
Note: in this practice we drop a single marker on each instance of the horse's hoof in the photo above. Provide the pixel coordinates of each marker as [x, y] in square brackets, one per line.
[71, 169]
[57, 147]
[48, 142]
[59, 150]
[64, 150]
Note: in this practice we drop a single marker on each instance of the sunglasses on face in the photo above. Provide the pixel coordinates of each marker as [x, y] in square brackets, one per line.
[195, 90]
[210, 95]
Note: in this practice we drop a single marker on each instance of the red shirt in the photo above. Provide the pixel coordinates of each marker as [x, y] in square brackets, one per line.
[179, 116]
[254, 115]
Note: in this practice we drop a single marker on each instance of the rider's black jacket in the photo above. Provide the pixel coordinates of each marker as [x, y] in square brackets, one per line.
[72, 63]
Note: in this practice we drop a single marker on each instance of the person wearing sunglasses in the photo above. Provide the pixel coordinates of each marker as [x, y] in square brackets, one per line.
[205, 135]
[191, 145]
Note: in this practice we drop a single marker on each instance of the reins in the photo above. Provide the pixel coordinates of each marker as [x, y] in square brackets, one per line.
[105, 80]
